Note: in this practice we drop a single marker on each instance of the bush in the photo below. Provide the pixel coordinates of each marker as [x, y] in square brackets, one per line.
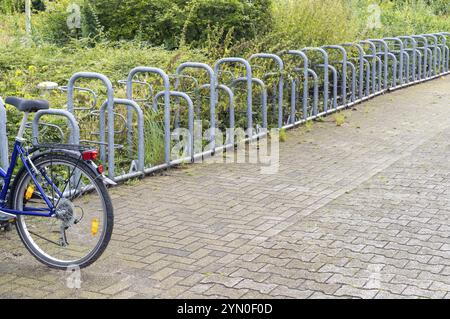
[157, 22]
[299, 23]
[52, 25]
[232, 26]
[168, 22]
[13, 6]
[244, 20]
[10, 6]
[312, 22]
[411, 17]
[441, 7]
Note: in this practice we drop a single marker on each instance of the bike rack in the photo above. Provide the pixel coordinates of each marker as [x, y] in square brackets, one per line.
[84, 90]
[230, 95]
[280, 70]
[376, 66]
[446, 49]
[360, 67]
[212, 86]
[400, 59]
[384, 52]
[196, 92]
[74, 128]
[110, 108]
[352, 73]
[141, 151]
[344, 69]
[305, 60]
[414, 52]
[426, 51]
[191, 111]
[436, 52]
[249, 80]
[326, 70]
[3, 137]
[166, 84]
[263, 96]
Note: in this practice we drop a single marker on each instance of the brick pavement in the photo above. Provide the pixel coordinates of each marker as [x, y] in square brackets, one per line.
[356, 211]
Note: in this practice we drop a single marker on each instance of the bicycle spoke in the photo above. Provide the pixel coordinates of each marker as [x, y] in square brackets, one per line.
[52, 178]
[46, 239]
[79, 224]
[68, 181]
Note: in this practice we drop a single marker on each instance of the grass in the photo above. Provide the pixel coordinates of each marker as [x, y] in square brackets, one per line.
[132, 182]
[153, 138]
[339, 118]
[309, 126]
[282, 135]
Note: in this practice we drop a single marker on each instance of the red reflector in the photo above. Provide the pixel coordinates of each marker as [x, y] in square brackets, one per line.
[90, 155]
[100, 169]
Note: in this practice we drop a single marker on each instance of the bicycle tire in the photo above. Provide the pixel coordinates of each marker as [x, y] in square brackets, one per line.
[23, 234]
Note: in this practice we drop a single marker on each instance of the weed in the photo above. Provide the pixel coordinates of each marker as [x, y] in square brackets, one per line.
[132, 182]
[283, 135]
[320, 119]
[339, 119]
[309, 126]
[153, 138]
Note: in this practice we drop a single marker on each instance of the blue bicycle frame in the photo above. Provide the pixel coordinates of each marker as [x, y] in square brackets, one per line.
[20, 152]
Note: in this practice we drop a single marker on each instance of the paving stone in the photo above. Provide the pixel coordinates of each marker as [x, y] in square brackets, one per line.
[225, 292]
[261, 287]
[282, 291]
[422, 293]
[356, 292]
[351, 213]
[223, 280]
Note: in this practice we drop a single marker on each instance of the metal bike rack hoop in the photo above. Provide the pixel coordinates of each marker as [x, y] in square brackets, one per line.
[166, 83]
[230, 94]
[212, 85]
[400, 60]
[344, 69]
[249, 77]
[75, 130]
[190, 104]
[326, 80]
[305, 60]
[361, 54]
[263, 96]
[280, 64]
[140, 116]
[110, 103]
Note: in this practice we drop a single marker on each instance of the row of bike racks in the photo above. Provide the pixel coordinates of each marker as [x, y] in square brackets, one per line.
[280, 91]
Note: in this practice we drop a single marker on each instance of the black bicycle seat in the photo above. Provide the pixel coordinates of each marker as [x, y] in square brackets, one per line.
[28, 105]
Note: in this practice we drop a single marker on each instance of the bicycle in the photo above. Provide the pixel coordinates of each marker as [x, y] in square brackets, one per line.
[58, 199]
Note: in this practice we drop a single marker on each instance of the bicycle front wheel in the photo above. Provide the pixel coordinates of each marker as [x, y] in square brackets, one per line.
[81, 229]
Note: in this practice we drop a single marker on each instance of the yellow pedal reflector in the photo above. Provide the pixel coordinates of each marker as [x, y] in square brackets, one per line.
[94, 226]
[29, 192]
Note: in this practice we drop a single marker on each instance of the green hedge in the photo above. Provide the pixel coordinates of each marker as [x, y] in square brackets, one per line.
[170, 22]
[12, 6]
[244, 19]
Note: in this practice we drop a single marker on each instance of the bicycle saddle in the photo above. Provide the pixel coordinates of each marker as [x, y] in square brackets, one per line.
[27, 105]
